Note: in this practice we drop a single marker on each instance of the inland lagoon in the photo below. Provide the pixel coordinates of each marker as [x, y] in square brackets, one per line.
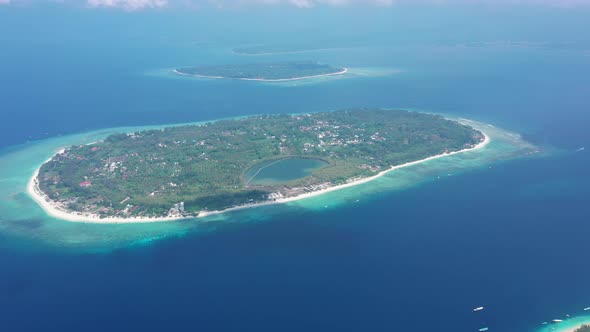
[282, 170]
[503, 227]
[195, 170]
[23, 218]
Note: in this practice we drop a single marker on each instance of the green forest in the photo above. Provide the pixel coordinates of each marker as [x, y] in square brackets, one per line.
[149, 173]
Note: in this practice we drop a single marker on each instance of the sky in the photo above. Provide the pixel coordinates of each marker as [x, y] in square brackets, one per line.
[40, 34]
[248, 21]
[135, 5]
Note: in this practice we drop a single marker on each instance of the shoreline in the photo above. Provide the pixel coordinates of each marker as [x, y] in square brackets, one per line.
[480, 145]
[573, 329]
[234, 51]
[56, 211]
[343, 71]
[567, 325]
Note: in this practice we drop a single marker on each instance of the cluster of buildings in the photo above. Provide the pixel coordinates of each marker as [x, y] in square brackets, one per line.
[177, 210]
[337, 135]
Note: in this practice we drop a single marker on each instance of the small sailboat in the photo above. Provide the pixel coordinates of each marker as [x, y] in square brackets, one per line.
[478, 309]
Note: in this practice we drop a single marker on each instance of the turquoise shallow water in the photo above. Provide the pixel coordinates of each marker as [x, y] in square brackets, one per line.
[568, 324]
[23, 218]
[416, 249]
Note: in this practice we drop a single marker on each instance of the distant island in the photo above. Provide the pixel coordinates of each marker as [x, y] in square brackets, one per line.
[271, 49]
[271, 72]
[195, 170]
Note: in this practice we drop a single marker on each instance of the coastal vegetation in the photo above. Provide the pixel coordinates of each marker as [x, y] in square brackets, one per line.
[184, 170]
[583, 328]
[263, 71]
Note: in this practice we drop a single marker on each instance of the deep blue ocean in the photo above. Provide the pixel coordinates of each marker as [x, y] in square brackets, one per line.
[513, 237]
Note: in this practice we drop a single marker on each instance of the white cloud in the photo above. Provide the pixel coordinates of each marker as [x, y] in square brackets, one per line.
[552, 3]
[300, 3]
[132, 5]
[316, 3]
[127, 4]
[313, 3]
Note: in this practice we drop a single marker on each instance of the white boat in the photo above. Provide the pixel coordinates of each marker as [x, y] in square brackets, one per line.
[483, 329]
[557, 320]
[586, 309]
[478, 309]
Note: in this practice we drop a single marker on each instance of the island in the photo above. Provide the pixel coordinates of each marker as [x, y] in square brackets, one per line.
[270, 72]
[194, 170]
[568, 324]
[274, 49]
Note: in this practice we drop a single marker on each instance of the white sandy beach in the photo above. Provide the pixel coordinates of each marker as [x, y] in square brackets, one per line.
[572, 328]
[349, 184]
[342, 72]
[56, 211]
[557, 328]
